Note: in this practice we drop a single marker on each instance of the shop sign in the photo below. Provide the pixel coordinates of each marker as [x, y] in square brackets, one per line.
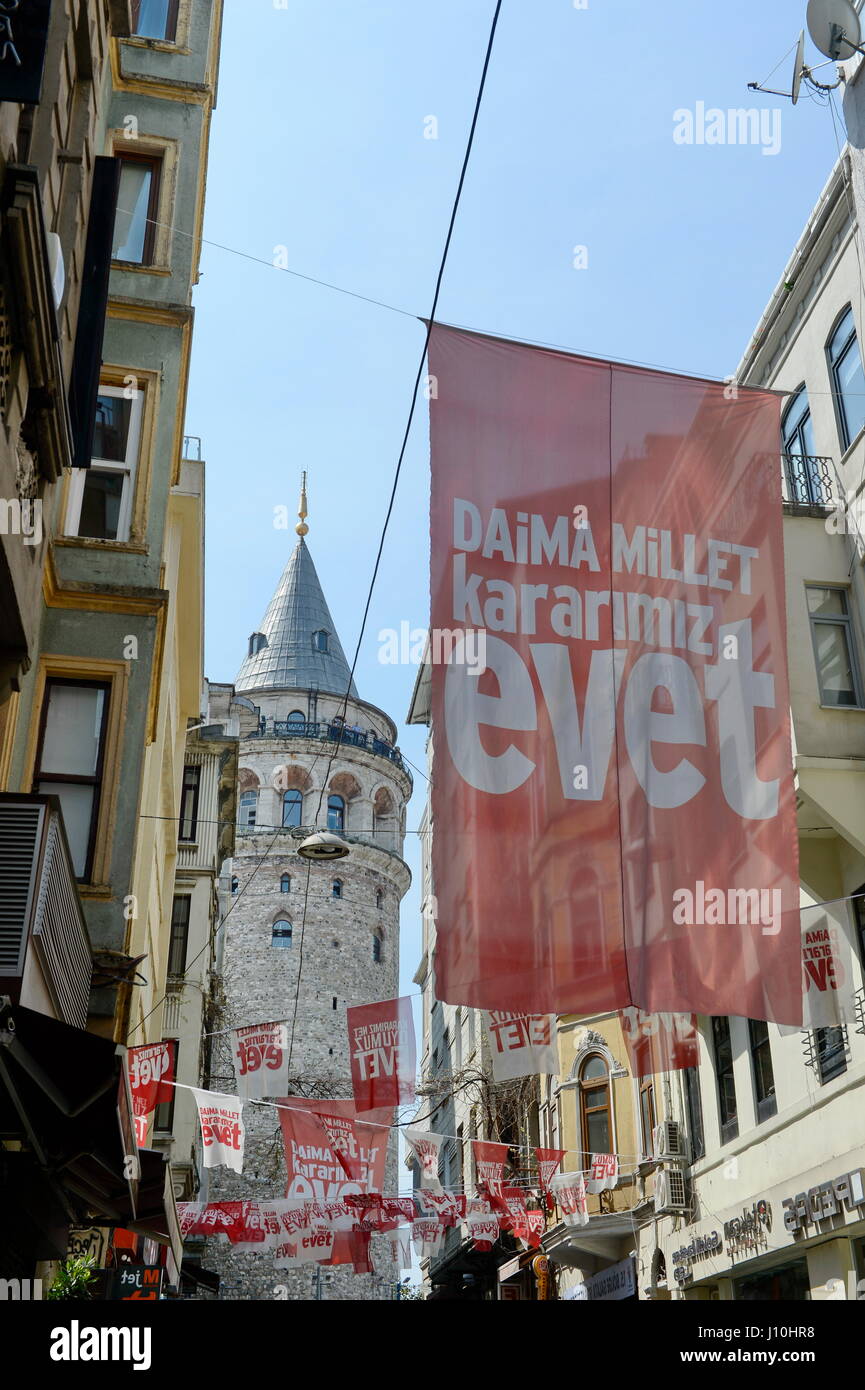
[508, 1270]
[699, 1248]
[619, 1281]
[748, 1232]
[825, 1200]
[133, 1283]
[89, 1242]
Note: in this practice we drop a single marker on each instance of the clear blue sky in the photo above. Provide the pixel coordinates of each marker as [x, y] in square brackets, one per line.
[318, 145]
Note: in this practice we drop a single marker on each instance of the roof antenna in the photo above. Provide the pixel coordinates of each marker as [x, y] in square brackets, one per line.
[302, 529]
[834, 28]
[799, 71]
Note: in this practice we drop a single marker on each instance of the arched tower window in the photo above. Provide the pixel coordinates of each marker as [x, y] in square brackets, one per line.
[281, 934]
[292, 808]
[376, 947]
[335, 813]
[248, 810]
[297, 720]
[319, 641]
[285, 883]
[595, 1119]
[336, 888]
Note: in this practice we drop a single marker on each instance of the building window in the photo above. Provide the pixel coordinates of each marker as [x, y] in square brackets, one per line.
[235, 883]
[647, 1115]
[297, 720]
[764, 1076]
[179, 933]
[725, 1079]
[292, 808]
[376, 947]
[595, 1125]
[189, 803]
[335, 813]
[319, 641]
[281, 934]
[336, 888]
[137, 209]
[248, 810]
[694, 1109]
[99, 505]
[830, 1050]
[155, 19]
[848, 381]
[379, 898]
[832, 636]
[797, 440]
[163, 1115]
[69, 763]
[285, 883]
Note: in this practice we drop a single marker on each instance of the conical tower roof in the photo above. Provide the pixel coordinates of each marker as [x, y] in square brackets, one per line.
[292, 658]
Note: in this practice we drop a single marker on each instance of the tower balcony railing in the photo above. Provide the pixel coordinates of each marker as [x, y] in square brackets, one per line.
[335, 732]
[809, 483]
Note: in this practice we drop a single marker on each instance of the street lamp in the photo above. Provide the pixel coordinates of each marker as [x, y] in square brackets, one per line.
[323, 845]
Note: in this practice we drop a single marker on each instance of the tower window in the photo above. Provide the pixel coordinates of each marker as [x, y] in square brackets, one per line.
[285, 883]
[292, 808]
[235, 883]
[319, 641]
[376, 947]
[336, 888]
[379, 898]
[281, 934]
[297, 721]
[248, 810]
[335, 813]
[334, 1001]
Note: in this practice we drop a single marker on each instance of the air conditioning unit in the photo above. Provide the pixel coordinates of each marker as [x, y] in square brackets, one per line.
[671, 1191]
[669, 1144]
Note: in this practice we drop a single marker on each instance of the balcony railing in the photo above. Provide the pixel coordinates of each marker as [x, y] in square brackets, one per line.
[335, 733]
[809, 481]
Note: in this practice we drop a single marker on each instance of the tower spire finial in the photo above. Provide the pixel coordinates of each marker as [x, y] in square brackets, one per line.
[302, 528]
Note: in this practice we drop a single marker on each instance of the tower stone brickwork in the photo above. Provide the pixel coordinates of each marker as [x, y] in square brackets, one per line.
[304, 940]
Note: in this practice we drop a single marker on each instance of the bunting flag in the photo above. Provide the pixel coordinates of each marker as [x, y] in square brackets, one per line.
[427, 1234]
[483, 1230]
[660, 1042]
[383, 1053]
[569, 1190]
[151, 1071]
[827, 967]
[529, 1227]
[426, 1148]
[514, 1204]
[315, 1171]
[222, 1131]
[603, 1173]
[549, 1162]
[490, 1160]
[521, 1044]
[400, 1244]
[342, 1135]
[261, 1060]
[447, 1206]
[612, 712]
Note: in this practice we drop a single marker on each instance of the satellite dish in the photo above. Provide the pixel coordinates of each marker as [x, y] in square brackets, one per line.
[798, 66]
[834, 27]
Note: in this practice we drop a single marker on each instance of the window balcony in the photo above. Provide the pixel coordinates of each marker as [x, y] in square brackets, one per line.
[333, 732]
[809, 484]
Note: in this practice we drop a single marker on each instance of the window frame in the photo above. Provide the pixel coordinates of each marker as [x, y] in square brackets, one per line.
[834, 363]
[195, 788]
[825, 1074]
[97, 781]
[377, 945]
[586, 1111]
[765, 1106]
[285, 883]
[844, 621]
[694, 1111]
[129, 470]
[249, 823]
[155, 162]
[336, 888]
[171, 19]
[729, 1127]
[811, 483]
[278, 939]
[340, 811]
[292, 797]
[323, 649]
[648, 1118]
[176, 935]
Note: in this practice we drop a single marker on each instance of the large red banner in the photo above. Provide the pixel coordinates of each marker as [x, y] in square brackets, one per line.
[321, 1151]
[383, 1054]
[612, 791]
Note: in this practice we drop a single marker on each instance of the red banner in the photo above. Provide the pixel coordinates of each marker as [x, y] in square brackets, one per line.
[490, 1160]
[549, 1162]
[314, 1169]
[383, 1055]
[612, 788]
[660, 1042]
[151, 1071]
